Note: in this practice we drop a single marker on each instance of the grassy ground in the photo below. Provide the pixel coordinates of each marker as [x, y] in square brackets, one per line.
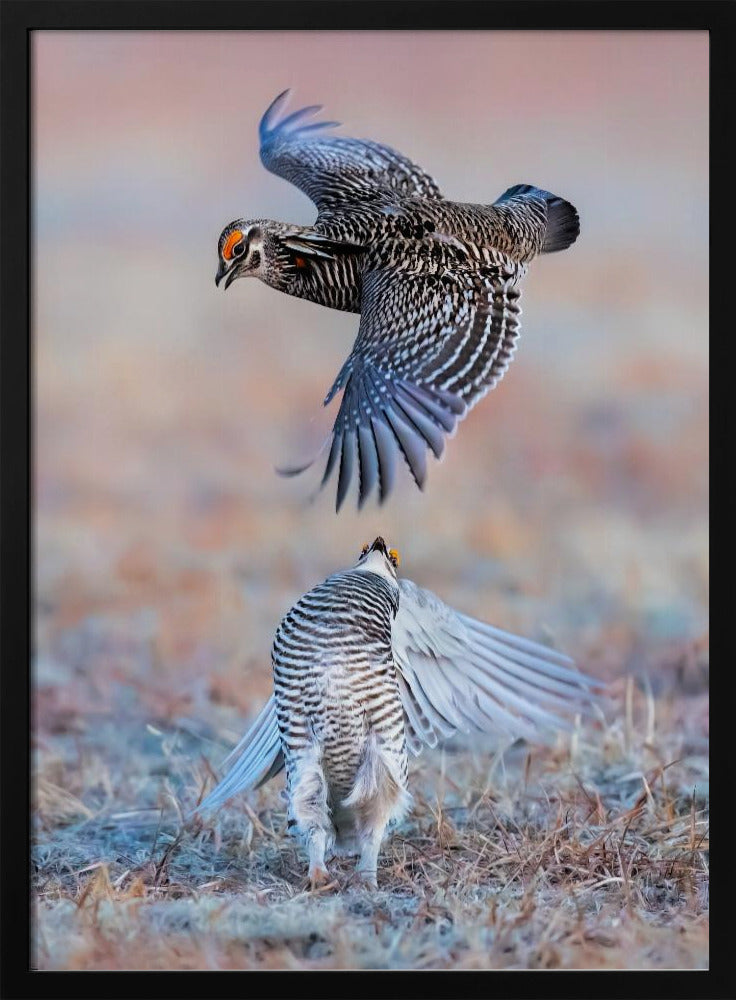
[589, 855]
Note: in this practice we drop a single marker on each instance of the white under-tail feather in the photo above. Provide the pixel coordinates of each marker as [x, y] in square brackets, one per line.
[378, 785]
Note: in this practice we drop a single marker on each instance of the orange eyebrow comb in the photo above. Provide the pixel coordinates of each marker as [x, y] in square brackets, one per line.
[234, 237]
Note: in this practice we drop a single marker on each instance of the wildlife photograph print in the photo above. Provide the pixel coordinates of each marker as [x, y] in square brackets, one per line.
[370, 615]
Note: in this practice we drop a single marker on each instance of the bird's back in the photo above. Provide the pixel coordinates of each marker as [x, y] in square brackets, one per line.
[334, 676]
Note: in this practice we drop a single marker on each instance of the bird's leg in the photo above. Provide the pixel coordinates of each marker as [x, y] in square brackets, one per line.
[377, 797]
[370, 843]
[317, 845]
[311, 811]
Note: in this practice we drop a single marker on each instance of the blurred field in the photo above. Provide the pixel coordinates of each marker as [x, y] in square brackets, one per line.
[571, 507]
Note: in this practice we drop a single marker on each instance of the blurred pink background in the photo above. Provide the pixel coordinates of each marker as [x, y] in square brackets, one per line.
[572, 504]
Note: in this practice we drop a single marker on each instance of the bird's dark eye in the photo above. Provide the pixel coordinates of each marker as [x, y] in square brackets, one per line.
[238, 250]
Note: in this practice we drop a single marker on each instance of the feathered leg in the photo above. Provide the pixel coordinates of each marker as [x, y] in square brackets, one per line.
[379, 795]
[310, 811]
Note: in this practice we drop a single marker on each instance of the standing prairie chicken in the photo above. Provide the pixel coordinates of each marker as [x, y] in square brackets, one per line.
[436, 284]
[367, 667]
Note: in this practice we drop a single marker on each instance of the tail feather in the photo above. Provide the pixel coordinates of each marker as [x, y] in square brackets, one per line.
[563, 225]
[563, 222]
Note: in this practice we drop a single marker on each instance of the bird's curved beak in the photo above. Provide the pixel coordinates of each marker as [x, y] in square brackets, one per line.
[223, 271]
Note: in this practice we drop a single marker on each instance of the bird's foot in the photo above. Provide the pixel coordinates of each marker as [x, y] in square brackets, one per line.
[319, 880]
[363, 880]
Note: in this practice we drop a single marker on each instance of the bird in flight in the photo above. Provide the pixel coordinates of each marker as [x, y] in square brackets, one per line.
[368, 667]
[436, 283]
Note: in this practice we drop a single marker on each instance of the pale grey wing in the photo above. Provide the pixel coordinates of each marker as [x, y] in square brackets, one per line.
[428, 348]
[333, 170]
[254, 761]
[458, 674]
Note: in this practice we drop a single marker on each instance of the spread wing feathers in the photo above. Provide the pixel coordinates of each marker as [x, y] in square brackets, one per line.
[253, 762]
[458, 674]
[427, 350]
[331, 169]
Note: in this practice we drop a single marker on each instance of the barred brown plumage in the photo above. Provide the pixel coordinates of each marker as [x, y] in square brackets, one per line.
[436, 284]
[367, 667]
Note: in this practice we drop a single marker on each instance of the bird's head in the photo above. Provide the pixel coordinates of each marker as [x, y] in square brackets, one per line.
[253, 248]
[377, 558]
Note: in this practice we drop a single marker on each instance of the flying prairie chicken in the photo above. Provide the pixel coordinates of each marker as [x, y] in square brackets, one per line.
[368, 667]
[436, 284]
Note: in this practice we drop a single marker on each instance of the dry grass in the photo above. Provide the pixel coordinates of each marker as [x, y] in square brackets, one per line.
[589, 855]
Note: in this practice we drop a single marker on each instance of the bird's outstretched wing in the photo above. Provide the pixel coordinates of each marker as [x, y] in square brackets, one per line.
[255, 760]
[428, 348]
[332, 169]
[457, 674]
